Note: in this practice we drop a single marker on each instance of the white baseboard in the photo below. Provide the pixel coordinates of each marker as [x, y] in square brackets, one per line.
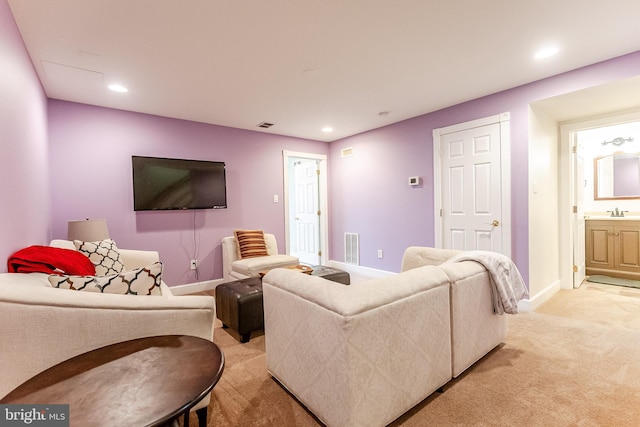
[540, 298]
[191, 288]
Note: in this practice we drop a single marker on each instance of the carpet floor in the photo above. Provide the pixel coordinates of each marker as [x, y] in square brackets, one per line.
[575, 361]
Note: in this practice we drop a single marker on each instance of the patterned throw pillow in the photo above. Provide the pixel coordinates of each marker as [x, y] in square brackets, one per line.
[103, 254]
[141, 281]
[250, 243]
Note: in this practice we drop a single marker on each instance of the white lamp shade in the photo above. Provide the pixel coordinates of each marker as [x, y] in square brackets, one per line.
[88, 230]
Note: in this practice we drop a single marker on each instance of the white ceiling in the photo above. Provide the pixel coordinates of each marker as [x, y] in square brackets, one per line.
[306, 64]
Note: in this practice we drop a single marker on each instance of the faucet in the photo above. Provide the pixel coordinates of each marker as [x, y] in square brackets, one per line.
[617, 213]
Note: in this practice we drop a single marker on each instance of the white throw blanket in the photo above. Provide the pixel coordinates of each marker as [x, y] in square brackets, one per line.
[507, 286]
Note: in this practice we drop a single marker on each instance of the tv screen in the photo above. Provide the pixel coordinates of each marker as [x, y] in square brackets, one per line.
[166, 184]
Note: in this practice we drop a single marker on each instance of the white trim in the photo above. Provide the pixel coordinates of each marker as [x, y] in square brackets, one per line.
[505, 173]
[505, 165]
[568, 131]
[540, 298]
[322, 191]
[191, 288]
[437, 189]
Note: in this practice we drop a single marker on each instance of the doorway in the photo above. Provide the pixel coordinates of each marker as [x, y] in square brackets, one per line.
[305, 198]
[581, 142]
[472, 185]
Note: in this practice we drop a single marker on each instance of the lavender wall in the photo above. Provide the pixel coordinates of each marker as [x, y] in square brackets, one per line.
[90, 148]
[90, 152]
[369, 191]
[24, 181]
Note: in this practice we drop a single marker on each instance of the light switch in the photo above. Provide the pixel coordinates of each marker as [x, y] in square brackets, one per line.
[275, 198]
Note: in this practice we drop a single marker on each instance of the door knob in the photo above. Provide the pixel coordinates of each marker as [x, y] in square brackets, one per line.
[495, 223]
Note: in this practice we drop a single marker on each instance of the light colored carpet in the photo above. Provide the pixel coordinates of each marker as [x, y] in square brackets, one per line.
[573, 362]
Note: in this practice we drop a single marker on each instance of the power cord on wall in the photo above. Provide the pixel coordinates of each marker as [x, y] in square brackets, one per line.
[195, 242]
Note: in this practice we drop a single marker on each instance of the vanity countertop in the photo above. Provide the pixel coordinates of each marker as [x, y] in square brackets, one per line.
[629, 215]
[612, 218]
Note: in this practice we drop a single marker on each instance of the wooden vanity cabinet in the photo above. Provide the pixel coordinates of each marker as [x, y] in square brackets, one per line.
[613, 248]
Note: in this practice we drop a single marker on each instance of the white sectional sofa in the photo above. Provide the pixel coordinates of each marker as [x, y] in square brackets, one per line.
[364, 354]
[475, 329]
[41, 326]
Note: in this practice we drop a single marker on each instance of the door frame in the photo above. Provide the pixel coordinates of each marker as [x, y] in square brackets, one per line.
[322, 202]
[568, 223]
[503, 120]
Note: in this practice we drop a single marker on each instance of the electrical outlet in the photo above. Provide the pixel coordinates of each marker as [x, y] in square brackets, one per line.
[380, 253]
[194, 264]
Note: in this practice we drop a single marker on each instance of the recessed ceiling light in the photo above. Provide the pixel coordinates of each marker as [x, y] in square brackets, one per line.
[546, 52]
[327, 129]
[118, 88]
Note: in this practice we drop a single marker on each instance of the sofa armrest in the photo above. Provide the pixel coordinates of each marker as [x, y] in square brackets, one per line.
[229, 255]
[395, 330]
[418, 256]
[358, 297]
[43, 328]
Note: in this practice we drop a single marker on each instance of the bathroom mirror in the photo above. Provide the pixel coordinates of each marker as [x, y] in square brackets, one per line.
[617, 176]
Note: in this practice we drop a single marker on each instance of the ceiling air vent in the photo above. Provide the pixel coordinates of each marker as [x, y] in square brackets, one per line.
[265, 125]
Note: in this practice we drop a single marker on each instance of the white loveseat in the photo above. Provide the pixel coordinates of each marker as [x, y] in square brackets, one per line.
[41, 326]
[364, 354]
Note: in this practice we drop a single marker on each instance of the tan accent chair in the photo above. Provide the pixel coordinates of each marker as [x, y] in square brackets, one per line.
[42, 326]
[235, 268]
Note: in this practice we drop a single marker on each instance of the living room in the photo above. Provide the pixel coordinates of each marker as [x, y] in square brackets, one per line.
[43, 195]
[62, 160]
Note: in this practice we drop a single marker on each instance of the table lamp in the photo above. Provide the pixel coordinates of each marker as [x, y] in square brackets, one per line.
[88, 230]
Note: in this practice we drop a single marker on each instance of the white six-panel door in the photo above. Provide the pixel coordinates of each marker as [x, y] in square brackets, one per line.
[470, 186]
[305, 197]
[306, 221]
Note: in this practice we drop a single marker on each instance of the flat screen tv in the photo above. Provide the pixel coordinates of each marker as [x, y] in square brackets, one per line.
[172, 184]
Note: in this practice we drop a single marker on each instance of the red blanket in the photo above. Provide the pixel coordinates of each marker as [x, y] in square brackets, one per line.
[47, 259]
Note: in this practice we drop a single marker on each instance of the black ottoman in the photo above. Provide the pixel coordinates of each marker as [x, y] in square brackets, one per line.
[333, 274]
[239, 306]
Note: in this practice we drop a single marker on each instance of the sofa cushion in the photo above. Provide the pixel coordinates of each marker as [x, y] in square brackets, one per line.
[250, 243]
[141, 281]
[103, 254]
[253, 266]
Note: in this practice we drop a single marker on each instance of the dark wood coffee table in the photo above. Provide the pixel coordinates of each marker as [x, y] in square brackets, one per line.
[142, 382]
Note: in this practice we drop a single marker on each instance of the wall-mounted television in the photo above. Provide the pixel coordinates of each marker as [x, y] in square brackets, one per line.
[172, 184]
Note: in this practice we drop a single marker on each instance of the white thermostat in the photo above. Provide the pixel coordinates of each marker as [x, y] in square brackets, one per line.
[414, 180]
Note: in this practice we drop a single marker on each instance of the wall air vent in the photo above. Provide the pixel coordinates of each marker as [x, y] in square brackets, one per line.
[265, 125]
[346, 152]
[352, 248]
